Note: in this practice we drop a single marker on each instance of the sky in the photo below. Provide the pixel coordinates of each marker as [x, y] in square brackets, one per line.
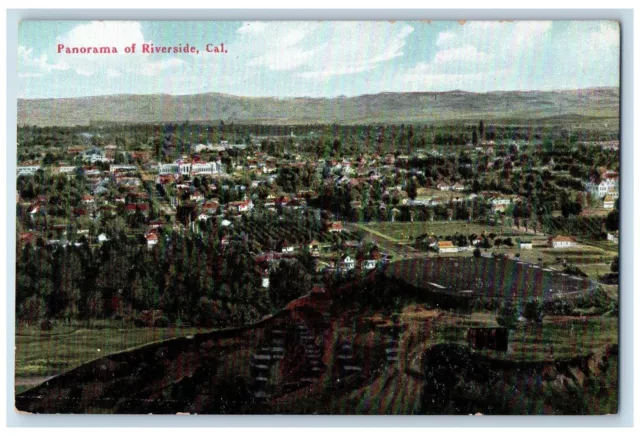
[317, 59]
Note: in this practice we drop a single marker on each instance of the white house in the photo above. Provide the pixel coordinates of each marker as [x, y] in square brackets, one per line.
[447, 247]
[241, 206]
[102, 238]
[613, 237]
[348, 263]
[369, 264]
[208, 168]
[198, 148]
[561, 242]
[28, 170]
[66, 169]
[265, 279]
[171, 168]
[114, 168]
[609, 202]
[94, 155]
[525, 245]
[287, 247]
[608, 186]
[500, 201]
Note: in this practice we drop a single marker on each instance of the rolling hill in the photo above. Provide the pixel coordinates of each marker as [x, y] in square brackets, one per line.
[595, 103]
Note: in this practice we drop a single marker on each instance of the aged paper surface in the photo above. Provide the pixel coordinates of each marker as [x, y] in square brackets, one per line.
[318, 217]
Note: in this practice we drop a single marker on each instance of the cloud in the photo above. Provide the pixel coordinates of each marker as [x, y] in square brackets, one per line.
[468, 53]
[445, 38]
[322, 50]
[117, 34]
[484, 56]
[27, 75]
[154, 68]
[255, 27]
[112, 34]
[331, 58]
[26, 60]
[111, 72]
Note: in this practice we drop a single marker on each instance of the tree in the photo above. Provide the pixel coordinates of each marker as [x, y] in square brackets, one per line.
[412, 189]
[288, 282]
[533, 310]
[507, 315]
[615, 265]
[477, 252]
[613, 220]
[32, 309]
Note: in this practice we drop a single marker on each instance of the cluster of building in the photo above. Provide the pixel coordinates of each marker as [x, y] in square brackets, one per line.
[608, 189]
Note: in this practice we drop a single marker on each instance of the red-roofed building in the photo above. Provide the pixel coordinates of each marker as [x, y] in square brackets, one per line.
[210, 207]
[28, 238]
[152, 239]
[335, 227]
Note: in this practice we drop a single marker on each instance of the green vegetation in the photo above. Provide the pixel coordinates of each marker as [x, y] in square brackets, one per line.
[40, 354]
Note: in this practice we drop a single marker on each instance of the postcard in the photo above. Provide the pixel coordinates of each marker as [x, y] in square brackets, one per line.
[318, 217]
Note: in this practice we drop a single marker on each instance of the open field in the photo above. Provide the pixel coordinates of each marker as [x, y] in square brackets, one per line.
[593, 257]
[488, 278]
[41, 354]
[406, 231]
[556, 337]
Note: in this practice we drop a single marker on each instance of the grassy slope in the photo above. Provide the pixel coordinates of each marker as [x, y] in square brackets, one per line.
[41, 354]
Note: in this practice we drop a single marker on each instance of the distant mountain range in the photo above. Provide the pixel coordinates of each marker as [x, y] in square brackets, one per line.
[386, 107]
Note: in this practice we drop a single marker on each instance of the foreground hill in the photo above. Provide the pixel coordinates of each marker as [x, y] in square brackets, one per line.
[317, 357]
[383, 107]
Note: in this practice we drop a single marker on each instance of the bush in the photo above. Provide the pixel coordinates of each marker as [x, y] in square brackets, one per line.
[507, 315]
[32, 309]
[139, 322]
[46, 325]
[533, 310]
[615, 265]
[162, 322]
[560, 306]
[574, 270]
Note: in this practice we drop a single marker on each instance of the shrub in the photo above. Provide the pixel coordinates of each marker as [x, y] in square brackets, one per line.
[574, 270]
[533, 310]
[162, 321]
[507, 315]
[32, 309]
[139, 322]
[559, 306]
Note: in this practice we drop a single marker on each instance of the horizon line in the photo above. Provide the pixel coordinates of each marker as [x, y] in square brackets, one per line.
[326, 98]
